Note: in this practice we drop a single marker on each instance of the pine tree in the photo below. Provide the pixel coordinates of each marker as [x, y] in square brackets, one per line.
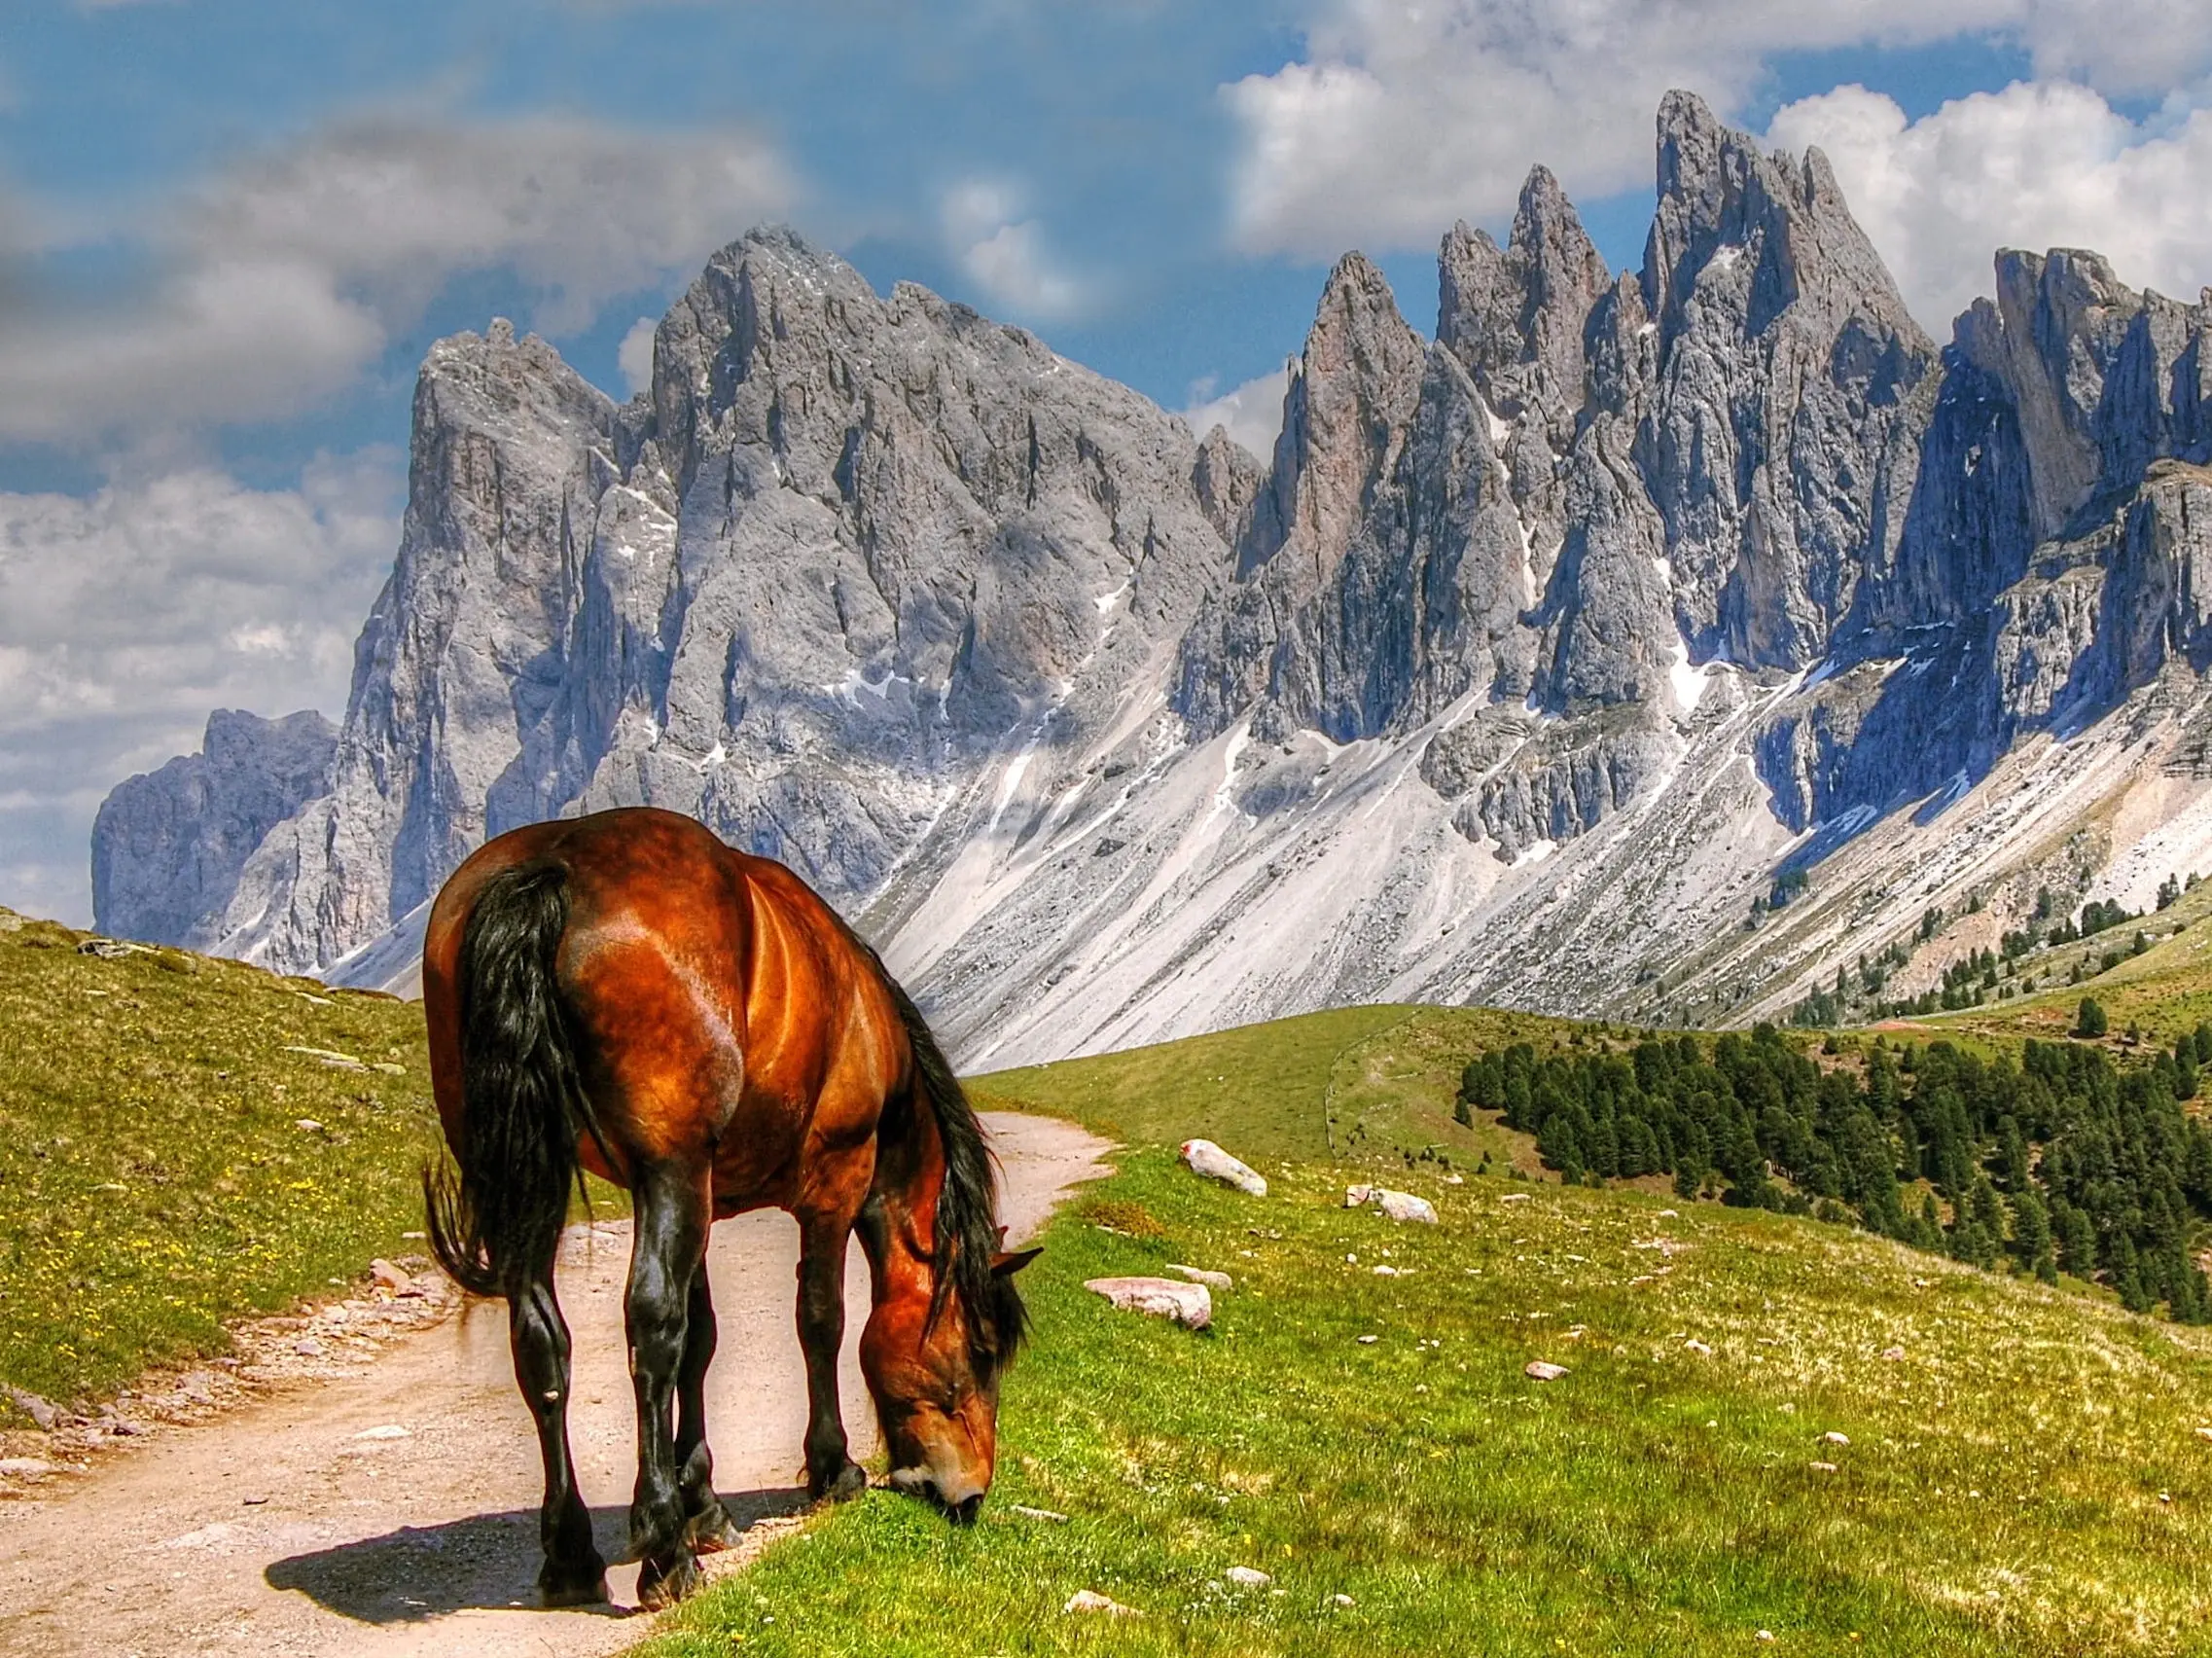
[2031, 1236]
[2090, 1022]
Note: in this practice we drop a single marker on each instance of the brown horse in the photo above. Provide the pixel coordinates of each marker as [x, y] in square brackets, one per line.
[625, 994]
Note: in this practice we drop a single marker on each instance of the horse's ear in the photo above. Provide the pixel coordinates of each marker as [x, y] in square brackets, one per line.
[1003, 1266]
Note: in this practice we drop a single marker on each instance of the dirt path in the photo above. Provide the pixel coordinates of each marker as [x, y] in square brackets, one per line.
[394, 1511]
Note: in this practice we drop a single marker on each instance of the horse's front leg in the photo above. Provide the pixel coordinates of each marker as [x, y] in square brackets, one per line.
[831, 1471]
[666, 1258]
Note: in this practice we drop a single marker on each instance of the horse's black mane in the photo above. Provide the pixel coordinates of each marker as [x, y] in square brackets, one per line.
[967, 1204]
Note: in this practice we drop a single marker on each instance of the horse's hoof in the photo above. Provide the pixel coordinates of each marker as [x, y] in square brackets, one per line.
[847, 1483]
[581, 1586]
[711, 1531]
[661, 1586]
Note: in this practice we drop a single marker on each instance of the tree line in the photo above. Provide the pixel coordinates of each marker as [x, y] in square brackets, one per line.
[2060, 1160]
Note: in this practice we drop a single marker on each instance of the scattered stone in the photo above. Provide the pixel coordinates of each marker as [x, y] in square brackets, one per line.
[390, 1277]
[390, 1430]
[1669, 1214]
[329, 1059]
[388, 1069]
[1537, 1370]
[1693, 1344]
[308, 1125]
[1822, 1467]
[1893, 1353]
[253, 1502]
[1455, 1180]
[1044, 1514]
[1248, 1577]
[1339, 1599]
[1385, 1271]
[1199, 1275]
[1515, 1198]
[41, 1411]
[25, 1467]
[1187, 1304]
[315, 1001]
[1832, 1437]
[111, 949]
[1396, 1205]
[2204, 1433]
[1369, 1341]
[1091, 1600]
[1764, 1634]
[1203, 1157]
[308, 1347]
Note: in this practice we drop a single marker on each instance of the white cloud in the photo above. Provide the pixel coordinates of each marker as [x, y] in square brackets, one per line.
[125, 617]
[634, 356]
[284, 277]
[1253, 412]
[1005, 255]
[1400, 118]
[2036, 165]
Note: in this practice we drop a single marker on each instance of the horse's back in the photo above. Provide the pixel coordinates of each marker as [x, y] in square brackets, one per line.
[719, 1004]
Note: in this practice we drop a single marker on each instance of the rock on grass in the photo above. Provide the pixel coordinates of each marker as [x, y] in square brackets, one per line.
[1091, 1600]
[1189, 1304]
[1203, 1157]
[1396, 1205]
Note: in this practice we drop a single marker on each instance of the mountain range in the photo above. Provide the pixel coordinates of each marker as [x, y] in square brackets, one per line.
[1646, 646]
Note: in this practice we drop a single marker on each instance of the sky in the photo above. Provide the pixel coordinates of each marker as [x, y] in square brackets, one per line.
[230, 228]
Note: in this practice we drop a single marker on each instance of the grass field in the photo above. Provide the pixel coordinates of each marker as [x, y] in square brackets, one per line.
[2028, 1477]
[178, 1147]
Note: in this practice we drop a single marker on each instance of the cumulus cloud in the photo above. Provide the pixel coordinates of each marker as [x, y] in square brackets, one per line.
[125, 617]
[278, 280]
[1252, 413]
[1005, 255]
[1400, 118]
[2036, 165]
[634, 356]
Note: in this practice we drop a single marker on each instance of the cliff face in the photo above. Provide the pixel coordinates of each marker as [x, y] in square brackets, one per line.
[1529, 655]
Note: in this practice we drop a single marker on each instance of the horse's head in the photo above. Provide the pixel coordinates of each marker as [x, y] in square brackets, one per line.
[932, 1357]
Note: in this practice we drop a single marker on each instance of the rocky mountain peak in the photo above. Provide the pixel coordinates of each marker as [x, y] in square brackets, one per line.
[1344, 415]
[1515, 316]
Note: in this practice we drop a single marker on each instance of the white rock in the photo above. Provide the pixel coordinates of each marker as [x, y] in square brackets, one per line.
[1537, 1370]
[1693, 1344]
[1822, 1467]
[1091, 1600]
[1049, 1515]
[1247, 1578]
[1200, 1274]
[1203, 1157]
[1832, 1437]
[1398, 1205]
[1340, 1600]
[390, 1430]
[1515, 1198]
[1188, 1304]
[1893, 1353]
[28, 1468]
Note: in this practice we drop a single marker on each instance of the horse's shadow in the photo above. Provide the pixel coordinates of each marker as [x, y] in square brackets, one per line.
[486, 1561]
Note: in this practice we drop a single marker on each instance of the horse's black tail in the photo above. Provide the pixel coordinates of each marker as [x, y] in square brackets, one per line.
[496, 1225]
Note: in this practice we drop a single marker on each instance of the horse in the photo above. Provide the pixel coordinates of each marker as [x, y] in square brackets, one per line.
[624, 994]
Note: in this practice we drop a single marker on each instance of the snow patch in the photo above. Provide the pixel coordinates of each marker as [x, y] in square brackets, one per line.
[1535, 852]
[1107, 600]
[1688, 682]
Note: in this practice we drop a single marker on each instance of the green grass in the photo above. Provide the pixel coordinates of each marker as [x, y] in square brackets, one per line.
[2001, 1492]
[2027, 1479]
[155, 1179]
[1355, 1082]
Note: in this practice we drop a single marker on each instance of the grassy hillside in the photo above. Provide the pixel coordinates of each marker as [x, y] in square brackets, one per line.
[184, 1140]
[1352, 1082]
[2025, 1477]
[2020, 1470]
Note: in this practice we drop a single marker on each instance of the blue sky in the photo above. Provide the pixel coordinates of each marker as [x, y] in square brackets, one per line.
[227, 232]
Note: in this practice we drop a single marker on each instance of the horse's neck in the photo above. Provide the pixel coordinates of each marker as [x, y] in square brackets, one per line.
[910, 1174]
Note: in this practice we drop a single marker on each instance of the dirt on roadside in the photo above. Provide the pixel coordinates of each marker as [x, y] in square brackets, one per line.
[380, 1496]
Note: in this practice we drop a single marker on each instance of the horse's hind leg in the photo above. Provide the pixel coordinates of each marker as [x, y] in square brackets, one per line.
[706, 1525]
[573, 1573]
[666, 1255]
